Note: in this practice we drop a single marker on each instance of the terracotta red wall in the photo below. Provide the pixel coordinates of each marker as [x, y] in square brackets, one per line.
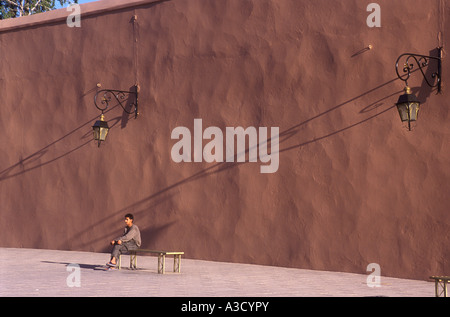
[353, 186]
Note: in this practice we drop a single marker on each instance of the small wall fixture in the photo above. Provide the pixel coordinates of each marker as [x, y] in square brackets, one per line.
[108, 96]
[408, 105]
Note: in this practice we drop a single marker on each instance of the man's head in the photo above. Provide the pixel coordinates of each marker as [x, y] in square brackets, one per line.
[129, 220]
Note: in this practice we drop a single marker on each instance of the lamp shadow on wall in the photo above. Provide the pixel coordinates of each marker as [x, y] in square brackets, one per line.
[425, 90]
[128, 106]
[34, 160]
[149, 234]
[141, 207]
[424, 93]
[25, 165]
[114, 223]
[294, 130]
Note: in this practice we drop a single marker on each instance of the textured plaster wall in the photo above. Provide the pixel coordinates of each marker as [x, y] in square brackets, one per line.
[353, 186]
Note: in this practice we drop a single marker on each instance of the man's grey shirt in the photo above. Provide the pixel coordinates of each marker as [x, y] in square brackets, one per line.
[131, 233]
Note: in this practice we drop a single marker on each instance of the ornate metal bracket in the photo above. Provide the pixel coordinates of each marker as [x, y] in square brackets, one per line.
[109, 95]
[422, 62]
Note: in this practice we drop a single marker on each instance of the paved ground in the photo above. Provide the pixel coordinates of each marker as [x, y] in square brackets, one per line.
[36, 273]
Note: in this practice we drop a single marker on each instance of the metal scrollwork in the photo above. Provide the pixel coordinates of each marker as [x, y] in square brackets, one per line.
[422, 62]
[109, 96]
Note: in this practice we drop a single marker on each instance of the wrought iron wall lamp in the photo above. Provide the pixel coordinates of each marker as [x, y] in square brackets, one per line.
[109, 96]
[408, 105]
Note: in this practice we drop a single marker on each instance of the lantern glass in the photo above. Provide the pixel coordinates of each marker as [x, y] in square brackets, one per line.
[403, 111]
[414, 111]
[408, 111]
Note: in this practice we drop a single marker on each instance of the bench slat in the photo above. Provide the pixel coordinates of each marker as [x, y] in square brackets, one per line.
[157, 252]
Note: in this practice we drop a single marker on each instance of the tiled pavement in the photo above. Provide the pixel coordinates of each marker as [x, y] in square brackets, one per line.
[36, 273]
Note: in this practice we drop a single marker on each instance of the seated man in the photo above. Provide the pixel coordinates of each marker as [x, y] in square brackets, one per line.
[131, 240]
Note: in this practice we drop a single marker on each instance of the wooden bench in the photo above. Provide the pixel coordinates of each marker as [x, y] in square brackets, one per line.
[440, 284]
[161, 259]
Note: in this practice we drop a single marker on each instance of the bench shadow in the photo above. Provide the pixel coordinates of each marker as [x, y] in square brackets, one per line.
[95, 267]
[99, 267]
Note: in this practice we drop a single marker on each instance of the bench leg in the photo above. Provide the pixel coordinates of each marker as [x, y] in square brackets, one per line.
[436, 288]
[133, 261]
[441, 288]
[161, 263]
[177, 263]
[444, 288]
